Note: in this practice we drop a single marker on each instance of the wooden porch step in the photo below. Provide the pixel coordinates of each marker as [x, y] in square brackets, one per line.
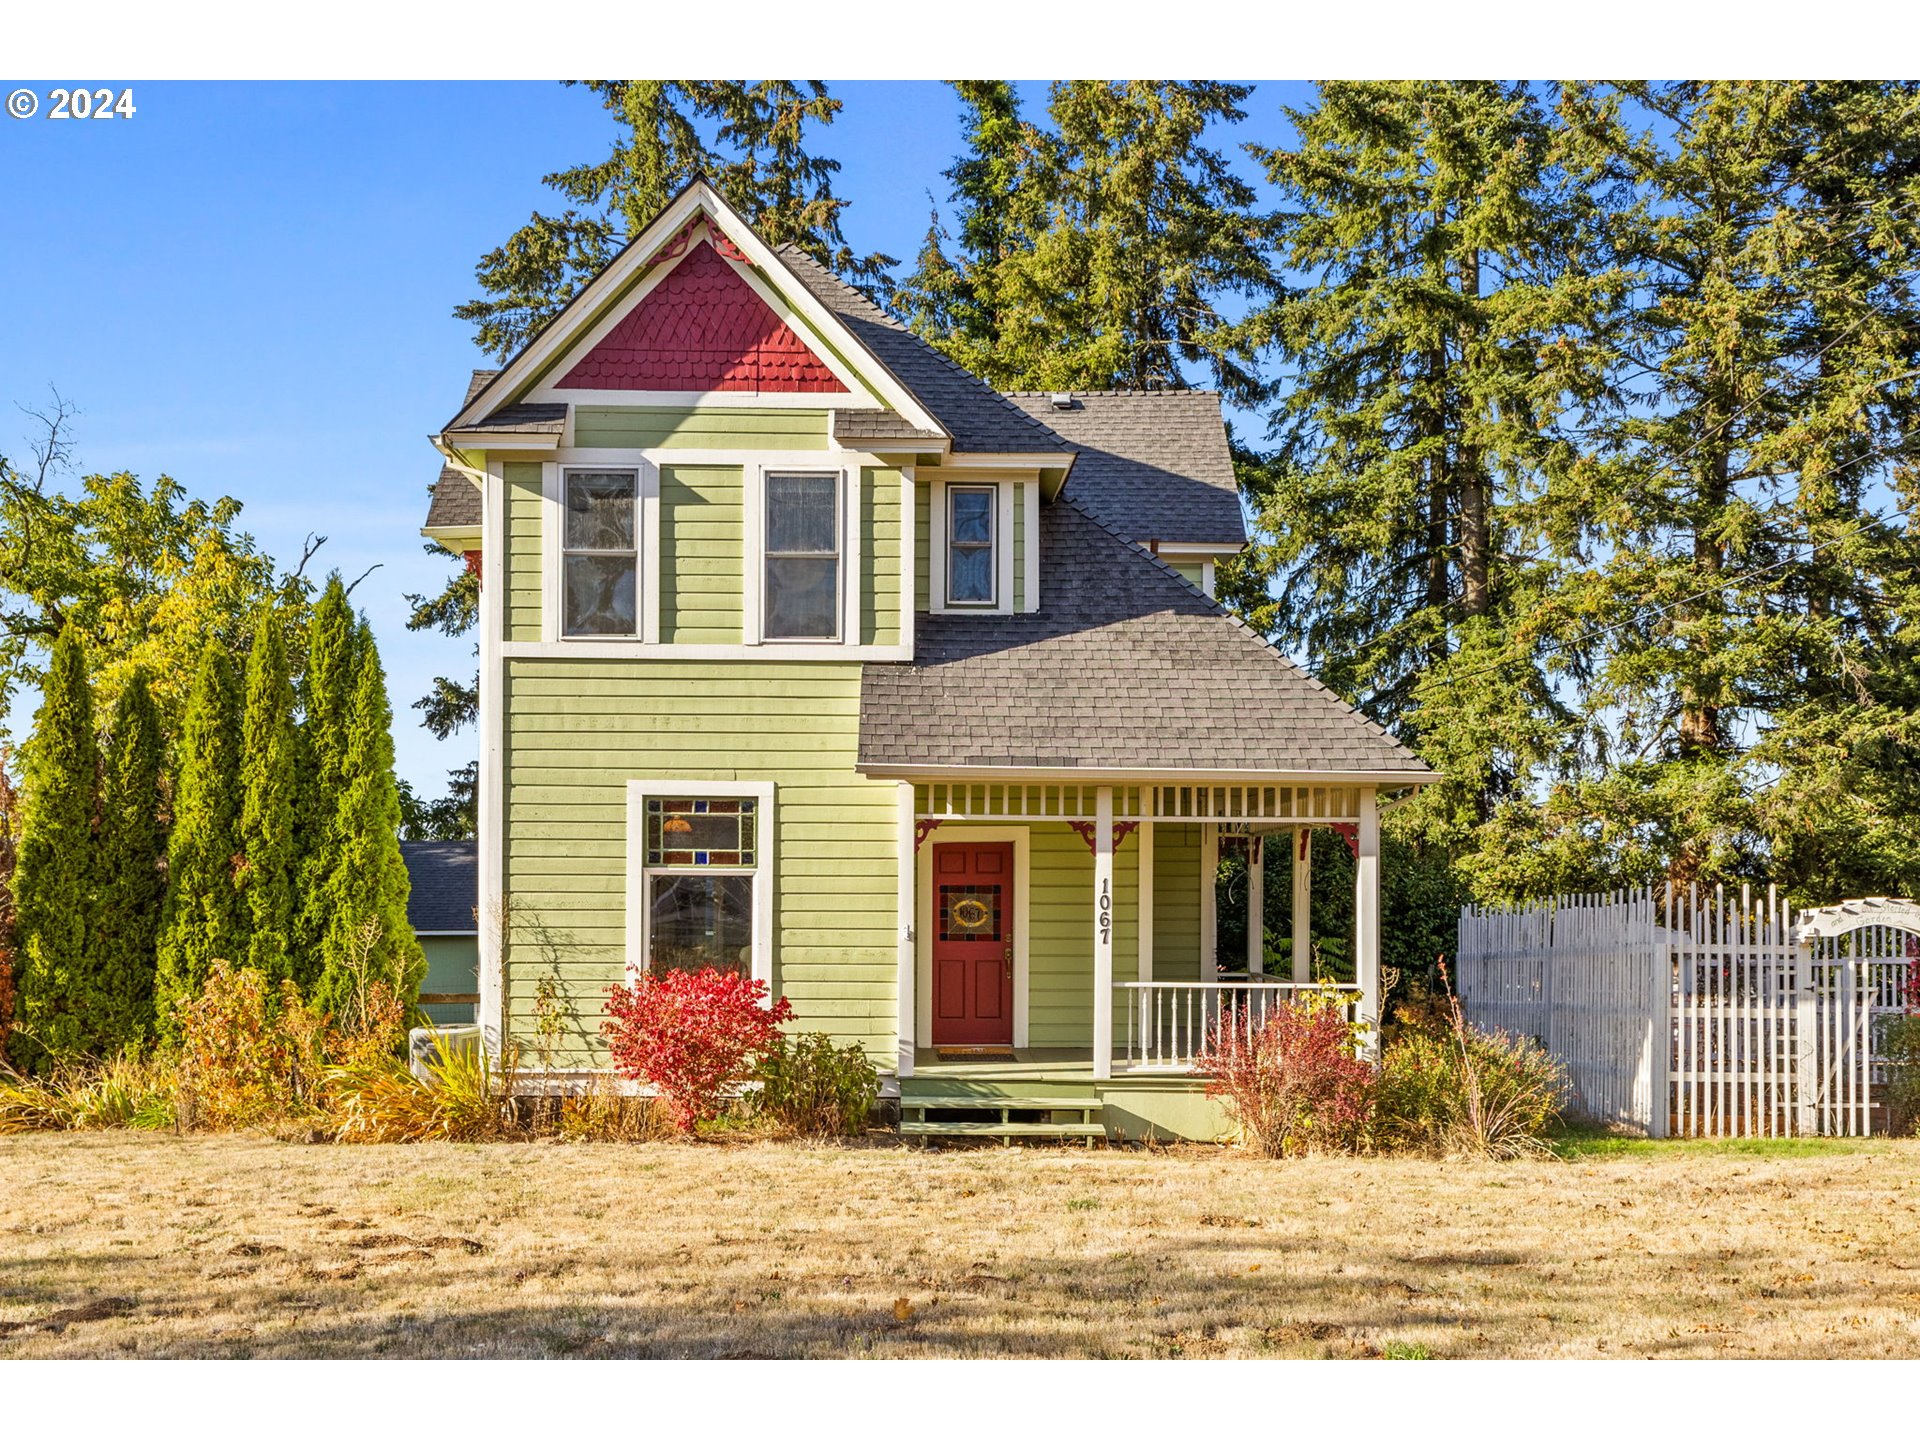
[1083, 1104]
[1004, 1132]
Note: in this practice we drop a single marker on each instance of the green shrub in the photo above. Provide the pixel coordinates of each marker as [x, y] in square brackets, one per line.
[812, 1088]
[1458, 1089]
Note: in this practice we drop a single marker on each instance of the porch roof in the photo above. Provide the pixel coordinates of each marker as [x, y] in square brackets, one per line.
[1127, 667]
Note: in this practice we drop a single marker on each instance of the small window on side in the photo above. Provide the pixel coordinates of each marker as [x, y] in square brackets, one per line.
[972, 571]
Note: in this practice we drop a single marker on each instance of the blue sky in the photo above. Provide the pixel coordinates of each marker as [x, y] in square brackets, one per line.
[249, 287]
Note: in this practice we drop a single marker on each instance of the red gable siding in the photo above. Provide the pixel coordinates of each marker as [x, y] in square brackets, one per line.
[702, 328]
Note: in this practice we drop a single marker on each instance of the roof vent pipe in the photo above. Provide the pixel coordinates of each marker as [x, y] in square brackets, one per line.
[1060, 400]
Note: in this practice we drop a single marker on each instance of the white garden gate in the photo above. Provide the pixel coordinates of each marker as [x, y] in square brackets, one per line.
[1685, 1013]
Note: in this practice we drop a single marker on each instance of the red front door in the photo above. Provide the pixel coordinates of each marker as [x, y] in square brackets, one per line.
[973, 944]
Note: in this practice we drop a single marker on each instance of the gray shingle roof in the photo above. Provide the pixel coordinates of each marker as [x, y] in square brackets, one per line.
[545, 418]
[1154, 464]
[1126, 667]
[864, 426]
[977, 416]
[445, 875]
[456, 501]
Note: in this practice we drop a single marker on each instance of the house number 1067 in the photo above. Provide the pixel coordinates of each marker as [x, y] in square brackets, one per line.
[1106, 914]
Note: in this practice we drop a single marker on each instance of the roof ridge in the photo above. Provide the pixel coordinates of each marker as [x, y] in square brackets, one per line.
[1240, 624]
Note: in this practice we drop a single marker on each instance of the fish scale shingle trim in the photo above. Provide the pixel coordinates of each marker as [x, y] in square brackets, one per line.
[1154, 463]
[1126, 667]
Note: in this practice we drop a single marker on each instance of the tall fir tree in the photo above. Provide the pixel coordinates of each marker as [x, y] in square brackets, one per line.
[205, 916]
[327, 702]
[270, 803]
[749, 137]
[133, 856]
[1120, 256]
[58, 985]
[367, 936]
[1443, 343]
[1750, 583]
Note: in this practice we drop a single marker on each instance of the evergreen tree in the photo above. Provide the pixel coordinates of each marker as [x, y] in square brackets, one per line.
[327, 695]
[750, 138]
[448, 708]
[1442, 346]
[367, 937]
[270, 801]
[133, 853]
[1117, 255]
[58, 982]
[205, 916]
[1750, 599]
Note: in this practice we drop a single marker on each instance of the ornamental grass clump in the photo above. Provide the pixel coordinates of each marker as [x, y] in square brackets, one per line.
[812, 1088]
[1294, 1083]
[695, 1036]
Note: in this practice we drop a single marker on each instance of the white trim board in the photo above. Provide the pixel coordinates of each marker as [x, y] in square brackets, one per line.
[923, 924]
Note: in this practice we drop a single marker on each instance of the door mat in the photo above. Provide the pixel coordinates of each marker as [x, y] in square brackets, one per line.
[974, 1052]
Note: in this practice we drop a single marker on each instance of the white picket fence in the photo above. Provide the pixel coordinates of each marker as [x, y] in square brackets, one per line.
[1689, 1013]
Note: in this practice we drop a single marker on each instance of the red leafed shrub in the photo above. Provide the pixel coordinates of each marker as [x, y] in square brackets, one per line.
[1295, 1083]
[691, 1035]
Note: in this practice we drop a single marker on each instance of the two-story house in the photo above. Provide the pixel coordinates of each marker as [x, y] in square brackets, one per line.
[805, 653]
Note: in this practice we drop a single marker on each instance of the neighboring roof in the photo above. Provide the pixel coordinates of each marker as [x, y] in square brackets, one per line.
[978, 417]
[1154, 464]
[445, 875]
[455, 503]
[1126, 667]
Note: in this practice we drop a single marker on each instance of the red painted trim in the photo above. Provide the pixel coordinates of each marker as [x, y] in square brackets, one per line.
[921, 830]
[702, 328]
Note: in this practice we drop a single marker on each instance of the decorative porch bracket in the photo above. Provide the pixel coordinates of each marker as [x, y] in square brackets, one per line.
[1085, 830]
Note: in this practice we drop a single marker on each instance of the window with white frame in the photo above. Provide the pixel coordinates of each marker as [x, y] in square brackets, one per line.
[600, 553]
[972, 568]
[700, 870]
[801, 594]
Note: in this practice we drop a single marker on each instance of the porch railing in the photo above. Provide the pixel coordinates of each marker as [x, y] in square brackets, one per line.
[1168, 1022]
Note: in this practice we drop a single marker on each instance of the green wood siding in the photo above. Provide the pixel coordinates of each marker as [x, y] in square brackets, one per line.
[578, 730]
[1019, 547]
[523, 594]
[1060, 933]
[922, 546]
[1176, 902]
[700, 554]
[640, 428]
[880, 557]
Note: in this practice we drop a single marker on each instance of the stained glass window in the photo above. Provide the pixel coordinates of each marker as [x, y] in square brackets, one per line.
[702, 832]
[969, 912]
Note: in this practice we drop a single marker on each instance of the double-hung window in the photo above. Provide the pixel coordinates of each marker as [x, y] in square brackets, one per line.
[972, 568]
[600, 553]
[701, 867]
[802, 591]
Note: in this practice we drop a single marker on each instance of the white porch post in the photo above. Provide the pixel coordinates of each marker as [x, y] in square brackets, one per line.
[1209, 894]
[1366, 920]
[904, 910]
[1256, 904]
[1143, 856]
[1301, 842]
[1103, 934]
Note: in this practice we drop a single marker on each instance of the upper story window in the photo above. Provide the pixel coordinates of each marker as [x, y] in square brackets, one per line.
[600, 557]
[972, 568]
[802, 591]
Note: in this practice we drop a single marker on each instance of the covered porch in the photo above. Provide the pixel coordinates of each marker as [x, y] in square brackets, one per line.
[1062, 933]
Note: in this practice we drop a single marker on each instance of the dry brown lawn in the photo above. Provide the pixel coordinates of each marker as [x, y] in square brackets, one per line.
[160, 1246]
